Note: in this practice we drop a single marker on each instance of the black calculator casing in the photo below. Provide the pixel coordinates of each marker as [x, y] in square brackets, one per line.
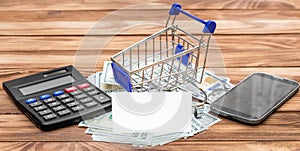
[12, 88]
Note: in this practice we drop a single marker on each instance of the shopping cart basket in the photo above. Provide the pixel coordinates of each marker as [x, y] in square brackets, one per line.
[165, 59]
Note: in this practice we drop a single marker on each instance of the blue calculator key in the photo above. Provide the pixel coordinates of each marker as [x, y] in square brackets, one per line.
[44, 97]
[31, 100]
[57, 93]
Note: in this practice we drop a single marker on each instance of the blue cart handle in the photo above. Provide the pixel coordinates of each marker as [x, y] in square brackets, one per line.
[210, 25]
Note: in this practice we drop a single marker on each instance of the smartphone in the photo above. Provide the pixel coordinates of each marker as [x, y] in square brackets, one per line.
[255, 98]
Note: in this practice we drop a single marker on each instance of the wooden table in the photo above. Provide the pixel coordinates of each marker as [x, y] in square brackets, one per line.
[254, 35]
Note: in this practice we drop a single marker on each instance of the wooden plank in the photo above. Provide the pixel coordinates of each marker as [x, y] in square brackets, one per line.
[236, 51]
[8, 5]
[236, 74]
[247, 58]
[109, 27]
[201, 145]
[61, 15]
[70, 44]
[280, 126]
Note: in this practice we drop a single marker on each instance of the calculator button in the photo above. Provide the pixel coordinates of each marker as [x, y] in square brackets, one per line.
[49, 100]
[75, 92]
[80, 96]
[63, 96]
[49, 116]
[86, 100]
[77, 108]
[67, 100]
[58, 108]
[31, 100]
[72, 104]
[88, 89]
[57, 93]
[45, 96]
[94, 92]
[53, 104]
[70, 89]
[35, 104]
[83, 85]
[39, 108]
[64, 112]
[91, 104]
[101, 98]
[44, 112]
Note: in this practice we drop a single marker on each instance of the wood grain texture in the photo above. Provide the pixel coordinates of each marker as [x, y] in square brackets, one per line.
[199, 146]
[70, 44]
[253, 35]
[228, 27]
[247, 58]
[92, 15]
[236, 51]
[117, 4]
[108, 22]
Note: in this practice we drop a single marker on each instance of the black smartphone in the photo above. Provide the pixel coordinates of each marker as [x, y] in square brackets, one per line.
[255, 98]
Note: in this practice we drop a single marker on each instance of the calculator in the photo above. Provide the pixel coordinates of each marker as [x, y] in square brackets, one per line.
[57, 98]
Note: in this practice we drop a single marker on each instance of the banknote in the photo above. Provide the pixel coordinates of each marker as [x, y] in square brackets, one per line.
[107, 75]
[128, 138]
[97, 81]
[101, 122]
[113, 139]
[206, 119]
[100, 128]
[162, 139]
[107, 80]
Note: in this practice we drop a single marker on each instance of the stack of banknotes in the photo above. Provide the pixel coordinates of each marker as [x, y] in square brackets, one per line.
[101, 127]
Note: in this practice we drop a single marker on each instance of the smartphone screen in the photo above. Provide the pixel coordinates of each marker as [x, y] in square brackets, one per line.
[254, 97]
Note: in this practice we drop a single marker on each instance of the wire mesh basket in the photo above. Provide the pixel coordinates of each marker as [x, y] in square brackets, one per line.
[165, 59]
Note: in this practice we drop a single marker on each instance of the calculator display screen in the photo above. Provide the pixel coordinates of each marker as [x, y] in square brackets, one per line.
[47, 85]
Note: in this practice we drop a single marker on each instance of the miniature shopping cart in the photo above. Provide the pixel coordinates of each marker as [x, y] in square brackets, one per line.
[165, 59]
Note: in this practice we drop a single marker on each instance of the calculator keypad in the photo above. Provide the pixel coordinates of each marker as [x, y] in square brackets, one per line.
[70, 89]
[86, 100]
[88, 89]
[45, 96]
[35, 104]
[49, 100]
[101, 98]
[63, 96]
[31, 100]
[53, 104]
[67, 100]
[49, 116]
[45, 112]
[40, 108]
[58, 108]
[91, 104]
[80, 96]
[57, 93]
[94, 92]
[77, 108]
[64, 102]
[75, 92]
[72, 104]
[64, 112]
